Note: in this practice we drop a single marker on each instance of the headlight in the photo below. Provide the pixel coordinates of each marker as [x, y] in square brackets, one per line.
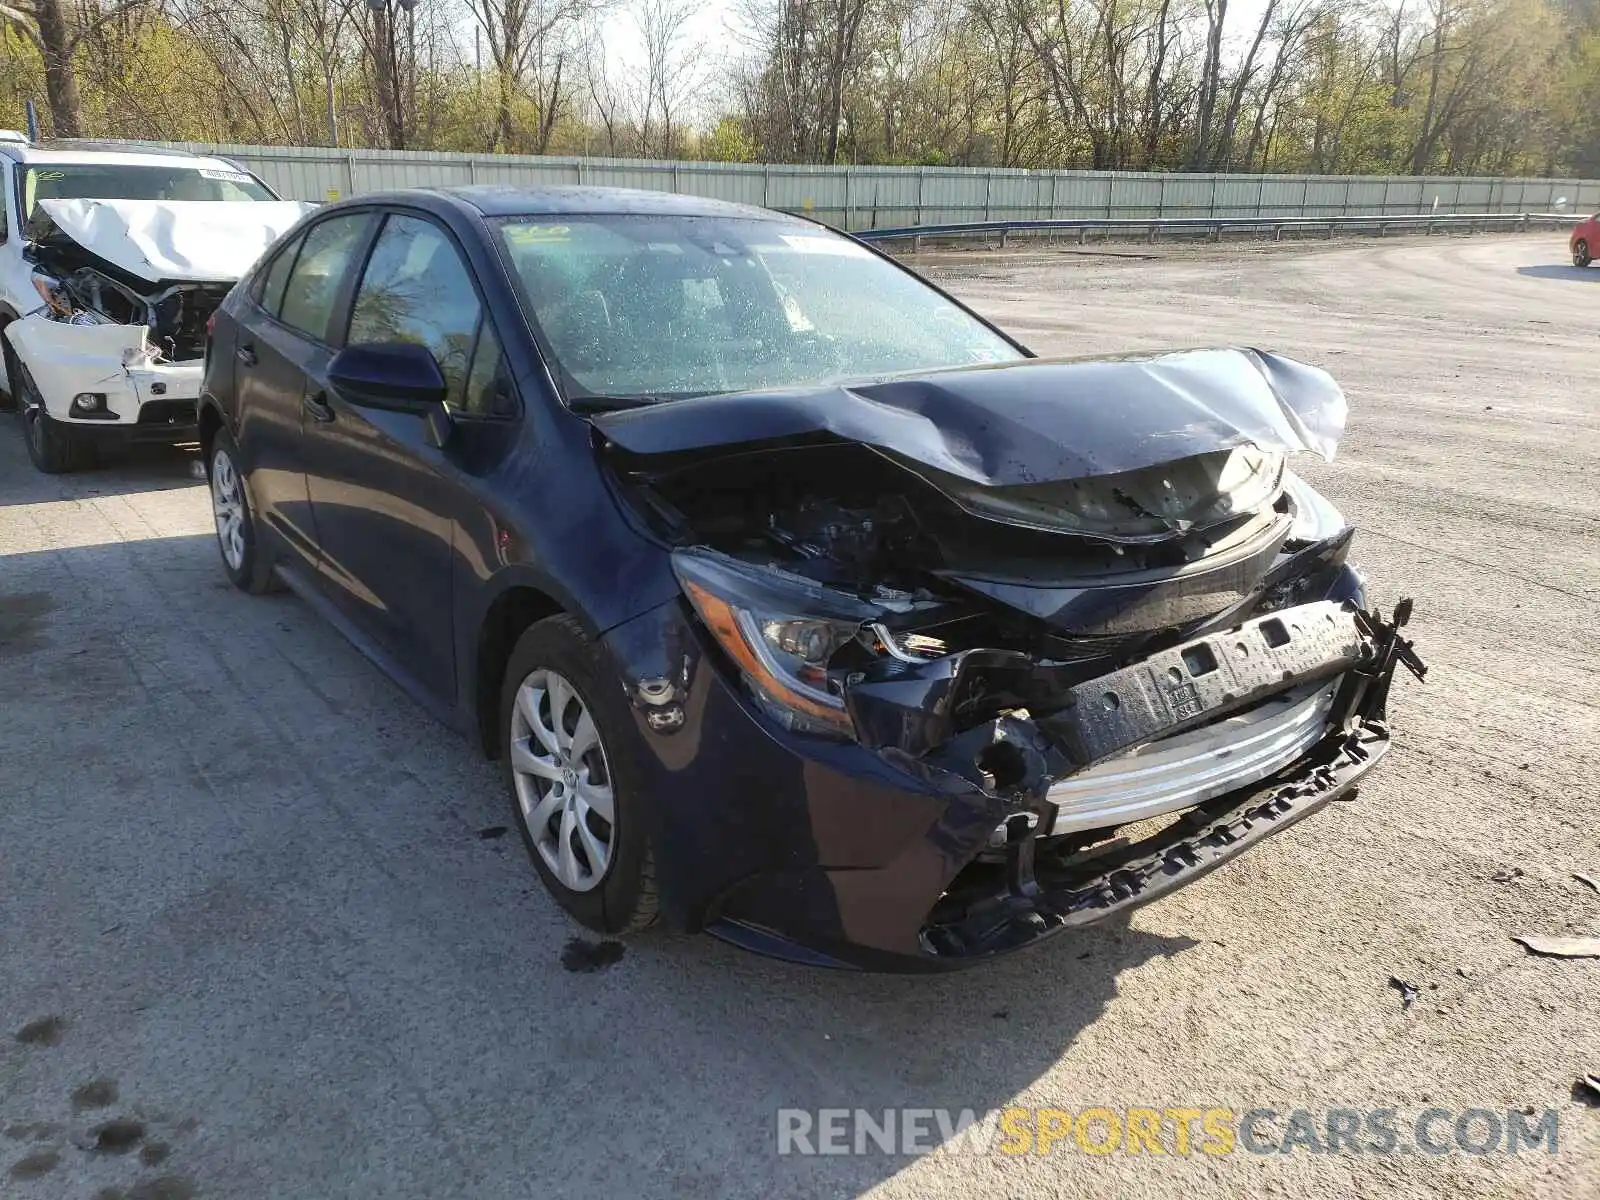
[52, 293]
[781, 630]
[1315, 518]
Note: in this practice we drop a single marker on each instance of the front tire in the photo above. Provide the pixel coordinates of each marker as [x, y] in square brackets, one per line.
[1580, 253]
[8, 398]
[52, 445]
[246, 565]
[569, 748]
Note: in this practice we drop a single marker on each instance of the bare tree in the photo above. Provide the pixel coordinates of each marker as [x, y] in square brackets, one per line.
[46, 23]
[530, 43]
[672, 68]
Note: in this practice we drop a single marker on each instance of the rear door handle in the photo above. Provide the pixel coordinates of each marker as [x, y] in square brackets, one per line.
[317, 405]
[246, 355]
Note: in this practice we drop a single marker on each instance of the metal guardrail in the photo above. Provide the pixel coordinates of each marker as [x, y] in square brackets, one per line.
[1215, 227]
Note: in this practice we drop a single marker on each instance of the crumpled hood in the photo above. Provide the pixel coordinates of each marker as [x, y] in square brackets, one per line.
[176, 240]
[1034, 421]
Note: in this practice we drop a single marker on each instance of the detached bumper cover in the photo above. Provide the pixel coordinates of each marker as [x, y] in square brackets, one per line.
[1063, 895]
[1071, 894]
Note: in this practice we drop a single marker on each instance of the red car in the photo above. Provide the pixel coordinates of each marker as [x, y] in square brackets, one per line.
[1585, 237]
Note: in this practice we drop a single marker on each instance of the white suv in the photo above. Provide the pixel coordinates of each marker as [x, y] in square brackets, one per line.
[112, 260]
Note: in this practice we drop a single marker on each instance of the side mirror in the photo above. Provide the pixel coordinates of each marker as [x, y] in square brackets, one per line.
[401, 376]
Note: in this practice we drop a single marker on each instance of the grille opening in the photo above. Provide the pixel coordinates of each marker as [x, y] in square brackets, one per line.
[1274, 632]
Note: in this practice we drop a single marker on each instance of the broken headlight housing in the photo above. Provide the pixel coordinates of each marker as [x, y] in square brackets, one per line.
[780, 630]
[1315, 517]
[53, 293]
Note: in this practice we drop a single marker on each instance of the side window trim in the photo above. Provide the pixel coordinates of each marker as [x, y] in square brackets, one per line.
[463, 414]
[353, 286]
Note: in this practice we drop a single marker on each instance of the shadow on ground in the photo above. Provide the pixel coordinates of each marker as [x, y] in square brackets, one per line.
[112, 472]
[1561, 271]
[264, 893]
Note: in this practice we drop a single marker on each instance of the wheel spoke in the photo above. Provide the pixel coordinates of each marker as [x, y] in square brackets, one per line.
[599, 798]
[560, 695]
[542, 812]
[597, 851]
[567, 860]
[584, 737]
[528, 705]
[526, 762]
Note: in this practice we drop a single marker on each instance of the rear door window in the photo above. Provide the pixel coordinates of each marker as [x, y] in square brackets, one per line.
[269, 291]
[319, 270]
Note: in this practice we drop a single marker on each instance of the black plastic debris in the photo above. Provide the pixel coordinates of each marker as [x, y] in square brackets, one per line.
[116, 1136]
[1506, 874]
[491, 832]
[1586, 1090]
[587, 957]
[1408, 991]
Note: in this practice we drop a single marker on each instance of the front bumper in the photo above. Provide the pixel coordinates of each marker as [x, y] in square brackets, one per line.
[1079, 891]
[839, 854]
[141, 399]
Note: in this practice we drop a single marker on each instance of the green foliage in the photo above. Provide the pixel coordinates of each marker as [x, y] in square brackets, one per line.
[729, 142]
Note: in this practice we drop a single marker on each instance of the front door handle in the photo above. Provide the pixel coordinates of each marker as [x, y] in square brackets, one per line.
[246, 355]
[317, 405]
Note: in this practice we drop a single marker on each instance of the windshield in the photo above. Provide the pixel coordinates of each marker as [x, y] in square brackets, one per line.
[659, 307]
[111, 181]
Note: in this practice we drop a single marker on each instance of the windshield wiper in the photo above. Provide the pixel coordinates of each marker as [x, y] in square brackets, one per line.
[600, 404]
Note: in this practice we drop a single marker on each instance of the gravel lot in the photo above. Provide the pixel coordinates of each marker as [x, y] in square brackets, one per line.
[245, 874]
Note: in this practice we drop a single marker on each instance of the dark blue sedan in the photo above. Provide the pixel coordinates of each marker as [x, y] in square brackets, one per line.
[799, 603]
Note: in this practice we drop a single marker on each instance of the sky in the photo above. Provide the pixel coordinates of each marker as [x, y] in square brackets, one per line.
[715, 26]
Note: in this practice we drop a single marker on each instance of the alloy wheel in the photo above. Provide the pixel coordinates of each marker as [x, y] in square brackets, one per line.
[227, 503]
[562, 780]
[1580, 253]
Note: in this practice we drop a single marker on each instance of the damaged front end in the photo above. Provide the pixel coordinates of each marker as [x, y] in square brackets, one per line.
[127, 291]
[1077, 599]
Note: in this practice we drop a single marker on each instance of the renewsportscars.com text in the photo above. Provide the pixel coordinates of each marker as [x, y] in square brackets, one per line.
[1099, 1130]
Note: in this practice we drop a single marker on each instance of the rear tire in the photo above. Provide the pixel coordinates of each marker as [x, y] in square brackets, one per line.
[569, 752]
[1580, 253]
[247, 565]
[53, 445]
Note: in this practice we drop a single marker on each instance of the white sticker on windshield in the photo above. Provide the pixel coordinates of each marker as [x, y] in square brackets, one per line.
[228, 176]
[810, 243]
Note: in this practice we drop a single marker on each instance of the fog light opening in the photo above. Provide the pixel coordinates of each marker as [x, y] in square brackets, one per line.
[88, 402]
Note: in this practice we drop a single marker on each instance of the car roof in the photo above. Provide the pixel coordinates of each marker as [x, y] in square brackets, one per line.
[559, 200]
[75, 152]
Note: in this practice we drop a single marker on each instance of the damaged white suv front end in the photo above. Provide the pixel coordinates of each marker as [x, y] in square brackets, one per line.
[106, 308]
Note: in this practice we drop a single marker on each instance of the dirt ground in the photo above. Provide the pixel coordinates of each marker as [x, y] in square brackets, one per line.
[248, 907]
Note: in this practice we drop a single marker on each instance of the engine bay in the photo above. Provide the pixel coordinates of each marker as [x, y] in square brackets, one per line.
[175, 316]
[1009, 616]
